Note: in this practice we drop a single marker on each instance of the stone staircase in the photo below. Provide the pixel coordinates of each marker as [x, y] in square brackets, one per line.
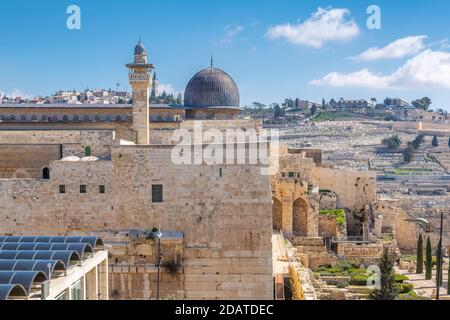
[312, 252]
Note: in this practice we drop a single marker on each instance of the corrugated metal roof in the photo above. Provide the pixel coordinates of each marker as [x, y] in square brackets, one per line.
[29, 260]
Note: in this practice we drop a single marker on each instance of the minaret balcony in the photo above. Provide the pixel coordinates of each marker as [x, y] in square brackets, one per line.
[139, 76]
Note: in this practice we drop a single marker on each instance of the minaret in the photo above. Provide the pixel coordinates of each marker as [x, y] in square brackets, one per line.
[139, 77]
[154, 93]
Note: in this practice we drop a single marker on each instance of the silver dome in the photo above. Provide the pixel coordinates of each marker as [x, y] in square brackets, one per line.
[211, 87]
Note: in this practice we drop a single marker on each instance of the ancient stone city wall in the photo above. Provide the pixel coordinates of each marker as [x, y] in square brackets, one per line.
[225, 215]
[354, 189]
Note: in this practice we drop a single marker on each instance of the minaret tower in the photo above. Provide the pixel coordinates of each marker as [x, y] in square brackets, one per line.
[139, 77]
[154, 93]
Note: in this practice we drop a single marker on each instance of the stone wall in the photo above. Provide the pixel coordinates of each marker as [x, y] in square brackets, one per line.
[354, 189]
[224, 213]
[74, 142]
[328, 225]
[26, 161]
[361, 252]
[328, 200]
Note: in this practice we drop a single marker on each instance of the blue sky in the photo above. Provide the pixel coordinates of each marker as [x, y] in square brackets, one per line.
[273, 49]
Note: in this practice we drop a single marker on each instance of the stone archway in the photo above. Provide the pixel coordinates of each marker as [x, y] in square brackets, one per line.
[300, 217]
[277, 214]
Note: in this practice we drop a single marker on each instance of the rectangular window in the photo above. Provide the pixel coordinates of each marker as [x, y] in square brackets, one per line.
[101, 189]
[83, 188]
[291, 174]
[157, 193]
[62, 189]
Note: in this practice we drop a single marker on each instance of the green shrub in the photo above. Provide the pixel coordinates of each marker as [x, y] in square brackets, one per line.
[325, 270]
[345, 265]
[356, 271]
[339, 214]
[359, 280]
[411, 296]
[399, 278]
[405, 288]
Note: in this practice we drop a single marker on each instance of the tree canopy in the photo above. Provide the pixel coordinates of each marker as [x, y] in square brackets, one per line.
[423, 103]
[392, 143]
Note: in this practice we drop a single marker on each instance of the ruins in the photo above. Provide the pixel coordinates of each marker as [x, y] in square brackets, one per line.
[109, 171]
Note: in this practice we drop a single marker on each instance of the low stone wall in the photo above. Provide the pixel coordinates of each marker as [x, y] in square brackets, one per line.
[360, 251]
[307, 241]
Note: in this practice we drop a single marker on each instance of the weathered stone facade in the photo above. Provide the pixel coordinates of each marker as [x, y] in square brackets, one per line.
[226, 226]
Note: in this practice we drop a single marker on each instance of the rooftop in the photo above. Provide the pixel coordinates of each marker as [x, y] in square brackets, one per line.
[26, 262]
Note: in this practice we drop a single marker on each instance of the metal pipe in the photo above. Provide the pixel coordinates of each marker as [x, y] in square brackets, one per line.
[158, 265]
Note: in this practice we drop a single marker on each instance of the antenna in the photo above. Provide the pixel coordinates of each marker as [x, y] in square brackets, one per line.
[212, 61]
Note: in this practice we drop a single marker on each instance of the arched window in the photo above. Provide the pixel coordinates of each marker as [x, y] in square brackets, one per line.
[88, 151]
[86, 118]
[65, 118]
[118, 118]
[12, 118]
[23, 117]
[76, 118]
[55, 118]
[2, 117]
[108, 118]
[34, 117]
[46, 173]
[44, 118]
[98, 118]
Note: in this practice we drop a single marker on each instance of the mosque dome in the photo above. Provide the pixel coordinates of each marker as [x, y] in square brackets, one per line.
[211, 87]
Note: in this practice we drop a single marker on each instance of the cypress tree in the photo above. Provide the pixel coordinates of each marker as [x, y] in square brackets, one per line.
[388, 291]
[435, 142]
[448, 280]
[429, 261]
[419, 267]
[439, 273]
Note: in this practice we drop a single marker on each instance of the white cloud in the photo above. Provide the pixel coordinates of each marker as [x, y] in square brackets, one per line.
[231, 33]
[429, 69]
[361, 78]
[400, 48]
[324, 25]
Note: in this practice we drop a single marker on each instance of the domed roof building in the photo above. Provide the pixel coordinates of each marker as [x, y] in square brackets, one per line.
[211, 94]
[211, 87]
